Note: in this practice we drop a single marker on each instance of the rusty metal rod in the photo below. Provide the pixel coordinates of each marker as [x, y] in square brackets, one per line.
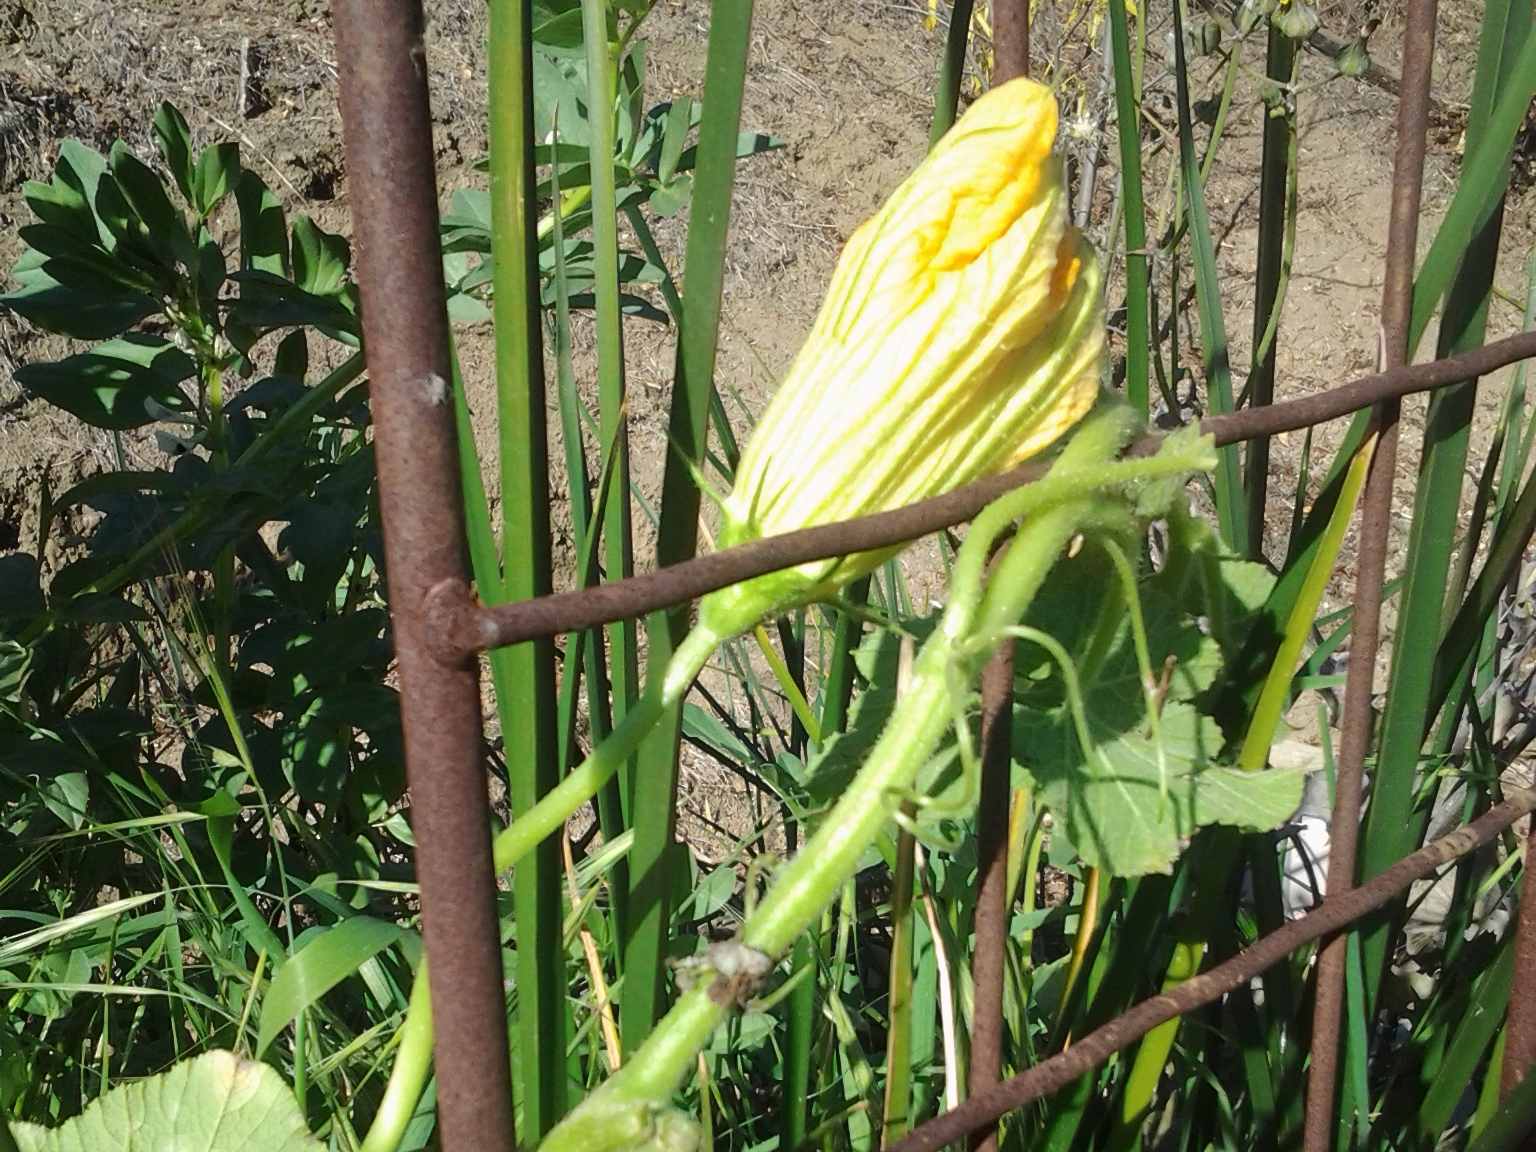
[1520, 1028]
[1010, 39]
[1358, 722]
[462, 625]
[391, 179]
[991, 914]
[1010, 32]
[1329, 917]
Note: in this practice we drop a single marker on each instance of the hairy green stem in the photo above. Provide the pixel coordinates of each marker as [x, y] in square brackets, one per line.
[413, 1061]
[1067, 500]
[408, 1077]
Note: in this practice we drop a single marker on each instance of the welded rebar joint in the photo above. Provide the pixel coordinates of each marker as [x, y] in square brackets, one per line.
[457, 622]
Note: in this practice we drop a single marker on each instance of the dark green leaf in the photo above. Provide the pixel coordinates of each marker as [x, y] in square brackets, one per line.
[218, 170]
[120, 384]
[174, 140]
[86, 313]
[263, 229]
[164, 229]
[320, 259]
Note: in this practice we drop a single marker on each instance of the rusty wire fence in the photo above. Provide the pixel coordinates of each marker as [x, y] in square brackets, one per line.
[440, 628]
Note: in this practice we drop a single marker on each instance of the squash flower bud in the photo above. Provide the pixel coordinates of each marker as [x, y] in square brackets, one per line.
[961, 334]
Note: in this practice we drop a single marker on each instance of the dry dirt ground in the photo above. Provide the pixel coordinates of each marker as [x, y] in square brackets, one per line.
[846, 86]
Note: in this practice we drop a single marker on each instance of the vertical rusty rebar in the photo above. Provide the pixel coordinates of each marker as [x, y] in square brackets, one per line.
[1371, 560]
[1010, 39]
[1520, 1028]
[1010, 31]
[387, 130]
[991, 916]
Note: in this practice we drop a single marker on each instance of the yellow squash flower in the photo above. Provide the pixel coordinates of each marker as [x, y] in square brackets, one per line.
[961, 334]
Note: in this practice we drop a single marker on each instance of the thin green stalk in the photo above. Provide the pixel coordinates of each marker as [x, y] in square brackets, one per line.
[801, 1017]
[896, 1118]
[946, 98]
[1277, 221]
[1230, 509]
[524, 675]
[1385, 836]
[1053, 511]
[1138, 338]
[617, 515]
[586, 661]
[413, 1064]
[1211, 864]
[653, 808]
[514, 843]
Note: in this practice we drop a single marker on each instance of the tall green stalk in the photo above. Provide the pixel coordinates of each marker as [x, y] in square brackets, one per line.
[1389, 832]
[1231, 511]
[524, 676]
[1138, 337]
[1071, 498]
[946, 98]
[653, 806]
[1277, 215]
[613, 415]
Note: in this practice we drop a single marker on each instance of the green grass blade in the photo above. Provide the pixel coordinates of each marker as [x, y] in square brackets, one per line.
[1474, 1033]
[1277, 220]
[946, 97]
[617, 515]
[1138, 337]
[1389, 833]
[896, 1116]
[1231, 512]
[524, 676]
[800, 1012]
[653, 808]
[1509, 1128]
[1484, 176]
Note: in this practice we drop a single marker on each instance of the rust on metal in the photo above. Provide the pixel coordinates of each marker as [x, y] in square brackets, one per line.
[1010, 38]
[1334, 913]
[1010, 32]
[387, 130]
[468, 626]
[1520, 1029]
[991, 914]
[1371, 562]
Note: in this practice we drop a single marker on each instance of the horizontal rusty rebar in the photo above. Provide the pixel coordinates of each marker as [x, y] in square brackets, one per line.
[462, 625]
[1329, 917]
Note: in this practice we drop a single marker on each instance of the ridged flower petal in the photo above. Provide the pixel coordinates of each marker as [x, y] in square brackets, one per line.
[961, 334]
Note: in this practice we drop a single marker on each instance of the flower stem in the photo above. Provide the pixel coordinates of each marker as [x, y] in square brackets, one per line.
[408, 1077]
[1070, 498]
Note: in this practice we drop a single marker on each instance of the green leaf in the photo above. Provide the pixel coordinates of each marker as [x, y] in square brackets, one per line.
[320, 259]
[163, 228]
[66, 200]
[1111, 797]
[174, 140]
[328, 959]
[118, 385]
[216, 1102]
[263, 228]
[711, 893]
[83, 264]
[218, 170]
[84, 313]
